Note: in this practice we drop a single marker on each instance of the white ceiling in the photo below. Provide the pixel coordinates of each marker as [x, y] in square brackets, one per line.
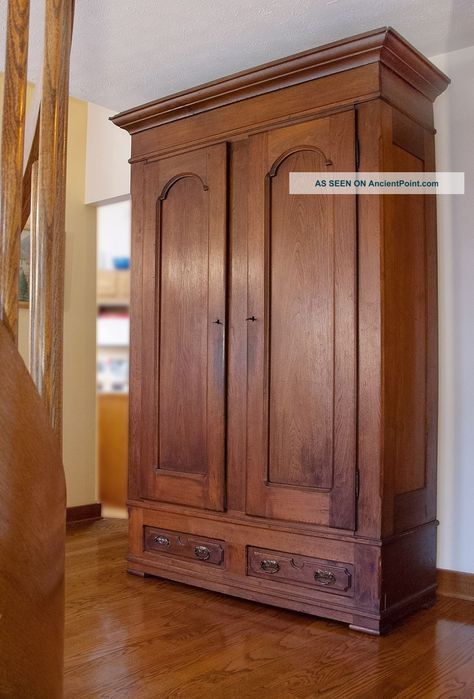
[126, 53]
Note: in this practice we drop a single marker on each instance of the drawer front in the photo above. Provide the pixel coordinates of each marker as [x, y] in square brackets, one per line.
[187, 546]
[318, 574]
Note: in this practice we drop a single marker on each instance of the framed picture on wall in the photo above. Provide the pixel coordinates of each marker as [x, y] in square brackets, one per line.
[24, 274]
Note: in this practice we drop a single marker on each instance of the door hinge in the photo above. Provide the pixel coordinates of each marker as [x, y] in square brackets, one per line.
[357, 153]
[357, 483]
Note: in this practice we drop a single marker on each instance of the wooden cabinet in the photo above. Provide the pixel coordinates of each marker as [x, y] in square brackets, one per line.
[283, 358]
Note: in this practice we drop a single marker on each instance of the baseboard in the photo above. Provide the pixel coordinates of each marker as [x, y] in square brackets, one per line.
[451, 583]
[83, 513]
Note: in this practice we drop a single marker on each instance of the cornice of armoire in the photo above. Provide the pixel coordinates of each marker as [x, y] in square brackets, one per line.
[384, 46]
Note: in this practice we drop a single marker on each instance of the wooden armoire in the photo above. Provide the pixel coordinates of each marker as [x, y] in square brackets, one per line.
[283, 389]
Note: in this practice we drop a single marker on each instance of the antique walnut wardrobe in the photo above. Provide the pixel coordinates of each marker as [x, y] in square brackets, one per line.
[284, 347]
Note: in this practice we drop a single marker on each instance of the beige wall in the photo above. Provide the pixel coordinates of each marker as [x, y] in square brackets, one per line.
[79, 321]
[108, 151]
[79, 449]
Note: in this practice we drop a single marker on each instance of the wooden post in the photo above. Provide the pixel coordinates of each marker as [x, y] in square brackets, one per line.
[13, 131]
[47, 348]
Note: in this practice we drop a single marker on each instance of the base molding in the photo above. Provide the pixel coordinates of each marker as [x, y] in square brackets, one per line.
[84, 513]
[452, 583]
[359, 620]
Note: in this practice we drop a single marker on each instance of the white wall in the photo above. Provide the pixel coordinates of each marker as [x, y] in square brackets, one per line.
[113, 232]
[108, 151]
[454, 119]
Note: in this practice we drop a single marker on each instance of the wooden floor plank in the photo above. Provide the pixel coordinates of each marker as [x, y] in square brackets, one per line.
[150, 638]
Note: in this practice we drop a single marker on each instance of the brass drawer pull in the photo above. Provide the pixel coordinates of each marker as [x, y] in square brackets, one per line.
[269, 566]
[202, 552]
[324, 577]
[162, 540]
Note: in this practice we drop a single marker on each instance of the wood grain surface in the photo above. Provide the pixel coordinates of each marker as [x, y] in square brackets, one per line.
[383, 44]
[455, 584]
[322, 377]
[178, 413]
[11, 176]
[32, 532]
[47, 325]
[150, 639]
[302, 346]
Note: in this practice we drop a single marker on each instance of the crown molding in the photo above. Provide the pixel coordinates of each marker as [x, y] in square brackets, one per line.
[382, 45]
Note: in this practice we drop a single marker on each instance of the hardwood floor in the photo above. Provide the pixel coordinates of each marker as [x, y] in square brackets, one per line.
[149, 638]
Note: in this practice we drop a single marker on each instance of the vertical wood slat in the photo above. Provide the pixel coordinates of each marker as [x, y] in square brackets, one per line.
[34, 260]
[47, 323]
[13, 131]
[30, 149]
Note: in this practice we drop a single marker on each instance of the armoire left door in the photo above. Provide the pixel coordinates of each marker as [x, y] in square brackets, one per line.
[182, 333]
[302, 308]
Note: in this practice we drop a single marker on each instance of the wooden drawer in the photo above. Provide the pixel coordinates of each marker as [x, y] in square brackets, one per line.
[315, 573]
[186, 546]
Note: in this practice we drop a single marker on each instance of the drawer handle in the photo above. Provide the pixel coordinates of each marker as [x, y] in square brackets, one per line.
[202, 552]
[324, 577]
[269, 566]
[162, 540]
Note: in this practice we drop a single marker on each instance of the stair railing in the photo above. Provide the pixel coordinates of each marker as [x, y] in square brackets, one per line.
[44, 199]
[33, 509]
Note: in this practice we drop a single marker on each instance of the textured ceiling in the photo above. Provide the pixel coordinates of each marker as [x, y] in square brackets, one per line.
[126, 53]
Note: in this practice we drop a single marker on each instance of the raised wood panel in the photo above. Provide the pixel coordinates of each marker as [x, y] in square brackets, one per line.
[301, 331]
[406, 335]
[410, 342]
[183, 403]
[301, 347]
[183, 342]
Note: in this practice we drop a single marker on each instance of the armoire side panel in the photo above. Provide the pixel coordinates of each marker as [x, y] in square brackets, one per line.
[410, 335]
[301, 333]
[183, 337]
[406, 278]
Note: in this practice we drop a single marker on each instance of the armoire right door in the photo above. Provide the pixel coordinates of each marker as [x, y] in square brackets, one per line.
[301, 383]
